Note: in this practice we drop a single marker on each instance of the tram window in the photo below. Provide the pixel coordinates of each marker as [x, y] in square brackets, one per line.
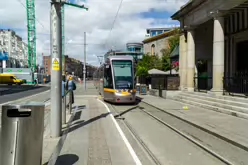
[107, 80]
[123, 74]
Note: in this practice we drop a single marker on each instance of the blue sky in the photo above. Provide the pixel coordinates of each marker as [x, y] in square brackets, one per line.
[134, 17]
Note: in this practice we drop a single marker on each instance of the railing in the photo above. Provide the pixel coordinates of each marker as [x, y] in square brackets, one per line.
[202, 83]
[65, 105]
[165, 82]
[236, 84]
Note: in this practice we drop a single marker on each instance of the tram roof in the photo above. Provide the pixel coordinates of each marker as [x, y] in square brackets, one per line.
[120, 57]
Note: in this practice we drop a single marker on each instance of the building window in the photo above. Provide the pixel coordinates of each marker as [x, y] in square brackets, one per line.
[153, 50]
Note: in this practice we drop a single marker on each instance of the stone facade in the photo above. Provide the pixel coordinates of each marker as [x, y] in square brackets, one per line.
[213, 37]
[159, 45]
[154, 45]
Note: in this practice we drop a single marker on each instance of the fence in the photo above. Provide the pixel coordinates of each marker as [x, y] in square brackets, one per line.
[165, 82]
[238, 83]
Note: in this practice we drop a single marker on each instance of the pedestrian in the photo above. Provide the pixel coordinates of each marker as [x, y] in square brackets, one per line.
[63, 85]
[36, 80]
[70, 85]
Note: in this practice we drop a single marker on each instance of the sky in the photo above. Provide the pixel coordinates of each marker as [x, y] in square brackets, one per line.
[134, 17]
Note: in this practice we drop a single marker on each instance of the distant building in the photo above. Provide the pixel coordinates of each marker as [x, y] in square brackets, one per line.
[135, 47]
[47, 64]
[13, 51]
[156, 31]
[135, 55]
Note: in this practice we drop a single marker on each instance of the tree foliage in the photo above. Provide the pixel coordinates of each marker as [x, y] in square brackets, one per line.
[148, 62]
[173, 41]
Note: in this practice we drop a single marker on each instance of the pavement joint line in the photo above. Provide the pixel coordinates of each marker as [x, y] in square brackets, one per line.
[61, 141]
[9, 102]
[131, 150]
[200, 127]
[191, 139]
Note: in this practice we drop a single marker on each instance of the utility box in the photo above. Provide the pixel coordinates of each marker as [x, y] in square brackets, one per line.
[138, 88]
[143, 89]
[22, 134]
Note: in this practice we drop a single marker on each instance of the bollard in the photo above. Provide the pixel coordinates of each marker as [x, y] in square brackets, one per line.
[22, 134]
[63, 109]
[70, 102]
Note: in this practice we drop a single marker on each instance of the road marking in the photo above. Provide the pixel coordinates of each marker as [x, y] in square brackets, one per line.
[24, 98]
[133, 154]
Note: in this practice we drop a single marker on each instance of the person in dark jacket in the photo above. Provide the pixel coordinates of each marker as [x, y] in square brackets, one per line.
[70, 85]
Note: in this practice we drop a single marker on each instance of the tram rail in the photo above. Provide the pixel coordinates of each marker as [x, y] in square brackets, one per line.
[187, 132]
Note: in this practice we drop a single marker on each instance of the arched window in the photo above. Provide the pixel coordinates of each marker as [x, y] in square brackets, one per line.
[153, 50]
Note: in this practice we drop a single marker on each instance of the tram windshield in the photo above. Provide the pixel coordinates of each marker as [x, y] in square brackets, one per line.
[123, 74]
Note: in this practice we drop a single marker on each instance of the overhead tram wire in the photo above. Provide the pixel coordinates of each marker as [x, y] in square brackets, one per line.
[114, 22]
[35, 18]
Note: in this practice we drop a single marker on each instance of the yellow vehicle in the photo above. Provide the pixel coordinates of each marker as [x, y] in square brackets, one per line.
[10, 79]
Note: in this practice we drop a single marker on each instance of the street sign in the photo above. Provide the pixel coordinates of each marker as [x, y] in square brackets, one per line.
[55, 63]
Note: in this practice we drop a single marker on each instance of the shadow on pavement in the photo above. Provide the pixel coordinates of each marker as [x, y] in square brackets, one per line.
[83, 123]
[126, 111]
[6, 90]
[67, 159]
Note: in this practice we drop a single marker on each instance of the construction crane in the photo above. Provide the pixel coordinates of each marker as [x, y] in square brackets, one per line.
[31, 25]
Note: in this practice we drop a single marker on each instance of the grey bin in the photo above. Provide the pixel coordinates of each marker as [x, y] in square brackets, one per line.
[22, 134]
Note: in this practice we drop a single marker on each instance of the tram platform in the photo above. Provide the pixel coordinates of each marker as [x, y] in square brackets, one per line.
[92, 137]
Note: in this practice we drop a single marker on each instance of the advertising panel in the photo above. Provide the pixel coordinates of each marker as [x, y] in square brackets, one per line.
[3, 56]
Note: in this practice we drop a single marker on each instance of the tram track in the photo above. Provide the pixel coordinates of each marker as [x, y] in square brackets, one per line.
[218, 148]
[135, 135]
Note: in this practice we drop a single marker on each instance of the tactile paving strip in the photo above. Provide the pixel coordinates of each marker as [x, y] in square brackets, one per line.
[98, 152]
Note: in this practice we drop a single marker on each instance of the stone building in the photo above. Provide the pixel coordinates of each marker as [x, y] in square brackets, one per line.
[216, 32]
[154, 44]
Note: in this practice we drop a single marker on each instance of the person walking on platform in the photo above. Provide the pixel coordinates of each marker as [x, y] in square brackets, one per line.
[70, 85]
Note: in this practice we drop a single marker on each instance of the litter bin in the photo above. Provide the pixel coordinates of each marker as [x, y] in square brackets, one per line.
[22, 134]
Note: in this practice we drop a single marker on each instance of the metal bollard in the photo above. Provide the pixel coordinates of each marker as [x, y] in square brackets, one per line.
[22, 134]
[70, 102]
[63, 109]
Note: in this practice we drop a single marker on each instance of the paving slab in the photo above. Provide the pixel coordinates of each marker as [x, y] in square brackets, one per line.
[92, 137]
[225, 126]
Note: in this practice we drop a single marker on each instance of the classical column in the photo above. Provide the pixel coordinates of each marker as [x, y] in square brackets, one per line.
[183, 62]
[190, 60]
[218, 54]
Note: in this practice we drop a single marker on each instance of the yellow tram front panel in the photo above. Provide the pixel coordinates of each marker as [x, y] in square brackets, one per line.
[120, 96]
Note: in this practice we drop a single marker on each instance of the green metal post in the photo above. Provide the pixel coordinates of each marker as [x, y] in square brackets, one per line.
[30, 5]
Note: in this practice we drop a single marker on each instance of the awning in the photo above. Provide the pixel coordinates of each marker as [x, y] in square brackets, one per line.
[175, 52]
[156, 72]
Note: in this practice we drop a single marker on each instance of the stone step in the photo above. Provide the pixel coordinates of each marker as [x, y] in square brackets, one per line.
[231, 98]
[215, 104]
[226, 102]
[217, 109]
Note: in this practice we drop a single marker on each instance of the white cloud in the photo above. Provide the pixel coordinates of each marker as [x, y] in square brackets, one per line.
[97, 22]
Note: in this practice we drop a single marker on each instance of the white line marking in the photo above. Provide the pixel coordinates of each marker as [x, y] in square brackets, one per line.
[24, 98]
[133, 154]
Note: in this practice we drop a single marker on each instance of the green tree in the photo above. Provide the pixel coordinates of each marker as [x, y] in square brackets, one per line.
[173, 41]
[148, 62]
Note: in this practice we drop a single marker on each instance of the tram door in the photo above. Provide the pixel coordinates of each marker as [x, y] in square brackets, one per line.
[108, 83]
